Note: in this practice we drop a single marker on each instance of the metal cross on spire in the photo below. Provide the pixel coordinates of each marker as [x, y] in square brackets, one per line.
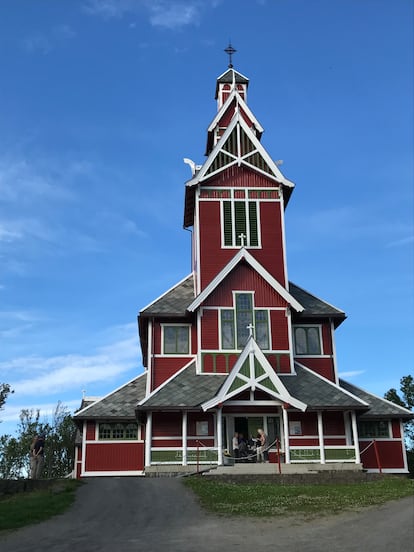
[230, 51]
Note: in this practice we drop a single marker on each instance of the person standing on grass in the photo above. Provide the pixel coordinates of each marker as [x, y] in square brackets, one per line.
[39, 456]
[32, 457]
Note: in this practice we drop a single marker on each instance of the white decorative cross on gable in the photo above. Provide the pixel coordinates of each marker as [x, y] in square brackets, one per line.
[242, 238]
[250, 327]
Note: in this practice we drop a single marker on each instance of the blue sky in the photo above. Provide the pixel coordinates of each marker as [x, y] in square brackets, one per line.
[100, 101]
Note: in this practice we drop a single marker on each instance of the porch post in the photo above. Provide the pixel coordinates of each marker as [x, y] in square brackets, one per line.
[148, 439]
[286, 436]
[321, 439]
[355, 437]
[184, 438]
[219, 436]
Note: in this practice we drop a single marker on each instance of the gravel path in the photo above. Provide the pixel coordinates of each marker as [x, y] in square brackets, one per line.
[160, 514]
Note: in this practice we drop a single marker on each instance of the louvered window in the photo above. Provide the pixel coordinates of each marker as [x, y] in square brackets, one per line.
[240, 224]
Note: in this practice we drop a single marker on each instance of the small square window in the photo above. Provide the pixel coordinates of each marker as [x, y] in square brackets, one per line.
[307, 340]
[176, 340]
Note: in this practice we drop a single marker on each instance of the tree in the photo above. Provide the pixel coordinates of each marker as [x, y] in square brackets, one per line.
[59, 447]
[405, 399]
[5, 391]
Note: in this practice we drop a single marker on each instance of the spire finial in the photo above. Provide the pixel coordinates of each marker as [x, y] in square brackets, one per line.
[230, 51]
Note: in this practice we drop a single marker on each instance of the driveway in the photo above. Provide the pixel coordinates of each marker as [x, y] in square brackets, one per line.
[161, 515]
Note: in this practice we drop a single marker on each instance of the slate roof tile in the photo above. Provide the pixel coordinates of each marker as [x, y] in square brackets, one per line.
[119, 404]
[377, 407]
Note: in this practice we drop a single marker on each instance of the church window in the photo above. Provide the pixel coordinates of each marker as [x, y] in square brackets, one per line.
[374, 429]
[307, 340]
[119, 431]
[235, 324]
[227, 329]
[240, 223]
[176, 340]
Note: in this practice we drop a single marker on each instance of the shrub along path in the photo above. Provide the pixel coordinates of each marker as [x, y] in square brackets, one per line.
[154, 514]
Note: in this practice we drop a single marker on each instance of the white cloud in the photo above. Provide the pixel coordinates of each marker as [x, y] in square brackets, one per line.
[351, 373]
[37, 43]
[168, 14]
[171, 15]
[62, 373]
[44, 42]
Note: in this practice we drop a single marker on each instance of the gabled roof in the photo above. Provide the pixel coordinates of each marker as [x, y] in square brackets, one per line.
[176, 301]
[252, 372]
[243, 254]
[229, 76]
[119, 404]
[235, 96]
[229, 151]
[378, 408]
[185, 389]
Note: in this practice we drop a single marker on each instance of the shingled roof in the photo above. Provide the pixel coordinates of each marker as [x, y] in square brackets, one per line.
[176, 300]
[315, 307]
[378, 408]
[186, 390]
[317, 392]
[120, 404]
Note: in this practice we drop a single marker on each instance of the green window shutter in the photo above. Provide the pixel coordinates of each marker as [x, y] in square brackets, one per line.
[228, 227]
[253, 231]
[240, 220]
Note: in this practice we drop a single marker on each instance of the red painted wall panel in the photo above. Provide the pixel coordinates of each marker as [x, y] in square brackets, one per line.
[322, 366]
[209, 329]
[279, 330]
[308, 420]
[390, 455]
[166, 424]
[396, 429]
[165, 367]
[114, 457]
[90, 431]
[333, 423]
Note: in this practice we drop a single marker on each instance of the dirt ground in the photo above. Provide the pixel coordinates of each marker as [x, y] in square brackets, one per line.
[160, 514]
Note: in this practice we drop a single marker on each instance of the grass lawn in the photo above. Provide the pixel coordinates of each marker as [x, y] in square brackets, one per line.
[26, 508]
[269, 500]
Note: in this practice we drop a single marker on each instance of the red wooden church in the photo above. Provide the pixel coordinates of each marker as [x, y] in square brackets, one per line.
[235, 346]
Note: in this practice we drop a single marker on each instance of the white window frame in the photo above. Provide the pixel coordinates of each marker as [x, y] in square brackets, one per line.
[166, 325]
[305, 327]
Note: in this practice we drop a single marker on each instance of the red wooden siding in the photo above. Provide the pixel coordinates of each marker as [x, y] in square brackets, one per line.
[327, 339]
[209, 329]
[244, 278]
[322, 366]
[271, 255]
[309, 422]
[167, 424]
[90, 431]
[390, 455]
[279, 330]
[396, 429]
[333, 423]
[240, 177]
[165, 367]
[110, 457]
